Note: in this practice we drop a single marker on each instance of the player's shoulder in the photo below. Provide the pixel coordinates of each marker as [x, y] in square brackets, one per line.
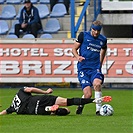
[102, 37]
[21, 90]
[84, 33]
[87, 32]
[81, 34]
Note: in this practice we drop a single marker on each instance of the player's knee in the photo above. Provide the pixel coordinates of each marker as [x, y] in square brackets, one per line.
[87, 92]
[62, 111]
[87, 95]
[97, 86]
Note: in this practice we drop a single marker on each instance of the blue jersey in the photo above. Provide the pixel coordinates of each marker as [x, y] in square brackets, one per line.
[90, 49]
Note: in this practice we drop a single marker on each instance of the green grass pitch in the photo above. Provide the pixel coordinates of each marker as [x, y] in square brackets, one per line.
[88, 122]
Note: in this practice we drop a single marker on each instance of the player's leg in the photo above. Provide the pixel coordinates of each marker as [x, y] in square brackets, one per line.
[98, 93]
[55, 109]
[72, 101]
[85, 83]
[87, 91]
[97, 79]
[102, 99]
[60, 101]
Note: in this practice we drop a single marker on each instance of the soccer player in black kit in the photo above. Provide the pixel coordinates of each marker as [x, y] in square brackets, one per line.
[26, 103]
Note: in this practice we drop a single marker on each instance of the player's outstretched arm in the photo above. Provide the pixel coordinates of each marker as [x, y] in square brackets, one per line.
[3, 112]
[37, 90]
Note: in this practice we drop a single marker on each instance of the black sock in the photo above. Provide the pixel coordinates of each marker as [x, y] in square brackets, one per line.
[78, 101]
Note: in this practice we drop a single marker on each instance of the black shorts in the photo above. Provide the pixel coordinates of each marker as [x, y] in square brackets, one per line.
[38, 103]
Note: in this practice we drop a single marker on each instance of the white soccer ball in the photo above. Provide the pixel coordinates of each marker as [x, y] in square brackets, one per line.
[106, 110]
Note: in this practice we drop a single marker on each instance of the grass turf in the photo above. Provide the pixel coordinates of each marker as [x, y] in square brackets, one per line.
[88, 122]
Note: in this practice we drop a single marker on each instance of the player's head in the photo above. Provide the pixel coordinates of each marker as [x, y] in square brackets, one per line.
[96, 28]
[62, 111]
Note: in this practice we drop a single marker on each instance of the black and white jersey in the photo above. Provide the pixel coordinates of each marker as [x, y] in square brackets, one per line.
[19, 102]
[25, 103]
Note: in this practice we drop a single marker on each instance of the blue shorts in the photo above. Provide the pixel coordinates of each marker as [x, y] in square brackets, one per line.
[86, 78]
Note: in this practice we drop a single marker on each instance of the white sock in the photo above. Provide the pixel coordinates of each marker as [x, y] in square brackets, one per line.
[98, 94]
[83, 96]
[82, 105]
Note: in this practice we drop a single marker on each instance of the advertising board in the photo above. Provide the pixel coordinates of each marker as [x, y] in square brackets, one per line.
[54, 62]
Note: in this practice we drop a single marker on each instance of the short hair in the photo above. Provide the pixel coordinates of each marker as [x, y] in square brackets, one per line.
[97, 23]
[62, 111]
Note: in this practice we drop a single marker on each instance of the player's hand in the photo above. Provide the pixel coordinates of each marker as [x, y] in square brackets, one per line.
[23, 25]
[80, 58]
[49, 91]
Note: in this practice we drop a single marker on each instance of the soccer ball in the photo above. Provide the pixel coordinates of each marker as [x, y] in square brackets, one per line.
[106, 110]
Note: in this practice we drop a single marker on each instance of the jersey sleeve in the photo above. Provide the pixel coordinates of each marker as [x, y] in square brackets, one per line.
[80, 37]
[105, 45]
[10, 110]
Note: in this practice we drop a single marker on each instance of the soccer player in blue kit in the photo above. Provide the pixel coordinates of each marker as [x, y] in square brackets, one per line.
[92, 48]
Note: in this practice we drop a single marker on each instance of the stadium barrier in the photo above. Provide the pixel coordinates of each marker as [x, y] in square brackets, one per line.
[117, 5]
[42, 61]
